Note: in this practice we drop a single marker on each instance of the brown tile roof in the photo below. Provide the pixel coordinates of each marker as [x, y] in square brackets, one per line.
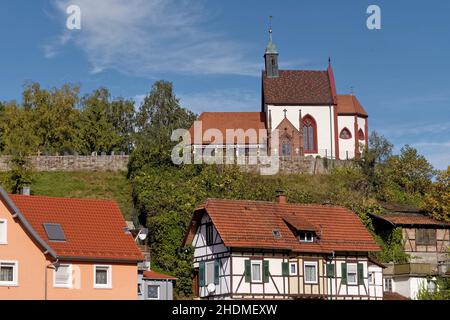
[349, 104]
[157, 275]
[94, 229]
[411, 219]
[300, 87]
[249, 224]
[393, 296]
[230, 120]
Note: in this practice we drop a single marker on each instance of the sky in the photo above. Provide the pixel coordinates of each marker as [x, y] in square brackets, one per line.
[212, 51]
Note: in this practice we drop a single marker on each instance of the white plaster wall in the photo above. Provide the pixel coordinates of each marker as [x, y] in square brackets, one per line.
[321, 114]
[346, 144]
[199, 242]
[362, 126]
[376, 289]
[349, 290]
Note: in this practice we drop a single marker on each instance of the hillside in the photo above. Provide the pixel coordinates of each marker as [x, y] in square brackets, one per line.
[83, 184]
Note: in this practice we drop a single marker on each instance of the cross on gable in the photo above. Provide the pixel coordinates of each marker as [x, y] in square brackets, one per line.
[285, 112]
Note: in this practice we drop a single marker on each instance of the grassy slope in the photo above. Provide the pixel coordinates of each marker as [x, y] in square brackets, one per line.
[83, 184]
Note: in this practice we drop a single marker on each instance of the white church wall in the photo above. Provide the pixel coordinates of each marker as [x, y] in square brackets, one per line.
[346, 146]
[362, 126]
[323, 115]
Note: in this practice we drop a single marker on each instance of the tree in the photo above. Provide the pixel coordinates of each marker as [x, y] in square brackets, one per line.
[121, 115]
[96, 131]
[437, 200]
[410, 171]
[158, 116]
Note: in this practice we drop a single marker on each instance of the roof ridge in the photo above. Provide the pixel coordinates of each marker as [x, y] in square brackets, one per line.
[281, 204]
[62, 198]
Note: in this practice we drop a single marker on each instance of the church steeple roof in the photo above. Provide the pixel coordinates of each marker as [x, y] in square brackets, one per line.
[271, 48]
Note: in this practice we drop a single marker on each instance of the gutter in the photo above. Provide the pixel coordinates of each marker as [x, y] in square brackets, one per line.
[16, 213]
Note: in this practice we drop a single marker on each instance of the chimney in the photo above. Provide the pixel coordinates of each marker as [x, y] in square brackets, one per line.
[26, 190]
[281, 197]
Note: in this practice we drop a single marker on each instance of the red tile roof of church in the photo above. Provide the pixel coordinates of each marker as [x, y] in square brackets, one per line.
[94, 229]
[250, 224]
[349, 104]
[230, 120]
[299, 87]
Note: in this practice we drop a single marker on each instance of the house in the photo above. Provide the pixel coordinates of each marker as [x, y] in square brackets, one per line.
[60, 248]
[301, 106]
[274, 250]
[156, 286]
[427, 242]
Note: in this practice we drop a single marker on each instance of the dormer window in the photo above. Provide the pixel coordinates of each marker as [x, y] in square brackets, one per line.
[306, 236]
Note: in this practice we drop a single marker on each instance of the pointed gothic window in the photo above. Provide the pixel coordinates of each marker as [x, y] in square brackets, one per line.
[361, 135]
[286, 149]
[345, 134]
[309, 134]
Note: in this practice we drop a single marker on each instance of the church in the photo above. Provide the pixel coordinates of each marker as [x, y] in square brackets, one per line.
[310, 118]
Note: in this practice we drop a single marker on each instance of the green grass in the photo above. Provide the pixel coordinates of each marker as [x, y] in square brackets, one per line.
[85, 184]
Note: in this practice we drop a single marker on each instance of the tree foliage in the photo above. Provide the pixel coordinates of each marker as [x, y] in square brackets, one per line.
[437, 200]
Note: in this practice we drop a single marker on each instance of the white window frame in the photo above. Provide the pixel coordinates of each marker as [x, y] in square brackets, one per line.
[15, 282]
[306, 236]
[295, 268]
[4, 226]
[385, 287]
[70, 284]
[207, 280]
[108, 285]
[311, 263]
[260, 264]
[356, 274]
[159, 291]
[371, 275]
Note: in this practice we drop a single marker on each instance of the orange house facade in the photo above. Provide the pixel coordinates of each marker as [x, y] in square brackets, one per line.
[65, 249]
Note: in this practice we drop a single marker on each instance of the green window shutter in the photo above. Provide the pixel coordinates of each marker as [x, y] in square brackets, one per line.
[201, 274]
[266, 271]
[285, 268]
[330, 270]
[344, 273]
[248, 271]
[360, 273]
[216, 271]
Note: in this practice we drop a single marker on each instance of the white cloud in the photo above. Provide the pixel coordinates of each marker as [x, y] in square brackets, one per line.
[147, 37]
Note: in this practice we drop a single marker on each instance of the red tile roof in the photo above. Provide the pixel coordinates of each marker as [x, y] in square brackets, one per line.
[300, 87]
[393, 296]
[411, 219]
[250, 224]
[156, 275]
[230, 120]
[94, 229]
[349, 104]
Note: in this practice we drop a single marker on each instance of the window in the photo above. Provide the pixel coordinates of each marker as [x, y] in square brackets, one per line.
[371, 277]
[388, 284]
[345, 134]
[62, 276]
[8, 273]
[54, 232]
[286, 149]
[153, 292]
[352, 273]
[139, 289]
[293, 269]
[102, 277]
[276, 233]
[209, 233]
[361, 135]
[306, 237]
[310, 272]
[426, 236]
[256, 271]
[3, 231]
[309, 134]
[210, 272]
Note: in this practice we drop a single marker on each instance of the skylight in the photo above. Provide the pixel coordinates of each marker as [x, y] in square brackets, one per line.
[54, 232]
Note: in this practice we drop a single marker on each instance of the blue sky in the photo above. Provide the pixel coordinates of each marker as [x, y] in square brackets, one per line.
[212, 52]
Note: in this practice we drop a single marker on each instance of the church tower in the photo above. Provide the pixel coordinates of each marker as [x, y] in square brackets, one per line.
[271, 56]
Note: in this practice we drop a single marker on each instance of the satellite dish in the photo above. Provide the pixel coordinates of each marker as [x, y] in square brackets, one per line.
[211, 288]
[143, 234]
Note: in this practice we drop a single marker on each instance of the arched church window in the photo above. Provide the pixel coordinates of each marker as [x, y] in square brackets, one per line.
[286, 148]
[345, 134]
[361, 135]
[309, 134]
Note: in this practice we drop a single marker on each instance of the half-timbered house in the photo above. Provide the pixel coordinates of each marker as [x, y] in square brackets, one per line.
[275, 250]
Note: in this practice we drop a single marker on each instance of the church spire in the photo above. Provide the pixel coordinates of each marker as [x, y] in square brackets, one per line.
[271, 55]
